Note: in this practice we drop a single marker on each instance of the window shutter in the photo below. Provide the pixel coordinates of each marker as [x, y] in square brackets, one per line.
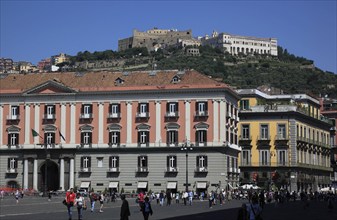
[197, 136]
[90, 138]
[146, 161]
[177, 107]
[197, 161]
[82, 137]
[9, 163]
[139, 161]
[206, 162]
[196, 106]
[110, 161]
[82, 158]
[205, 136]
[17, 139]
[168, 161]
[16, 163]
[176, 137]
[206, 106]
[139, 133]
[147, 107]
[138, 107]
[90, 109]
[168, 137]
[167, 107]
[45, 138]
[175, 161]
[9, 139]
[110, 108]
[110, 137]
[119, 108]
[89, 162]
[54, 109]
[118, 137]
[82, 109]
[18, 110]
[53, 138]
[147, 137]
[45, 109]
[117, 162]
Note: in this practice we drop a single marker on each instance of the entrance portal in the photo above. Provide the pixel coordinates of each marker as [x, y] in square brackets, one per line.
[49, 176]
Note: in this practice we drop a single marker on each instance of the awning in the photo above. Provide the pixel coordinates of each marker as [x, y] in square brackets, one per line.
[171, 185]
[85, 184]
[113, 184]
[142, 185]
[201, 185]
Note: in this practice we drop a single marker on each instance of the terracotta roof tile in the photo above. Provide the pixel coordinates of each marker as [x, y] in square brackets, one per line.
[105, 81]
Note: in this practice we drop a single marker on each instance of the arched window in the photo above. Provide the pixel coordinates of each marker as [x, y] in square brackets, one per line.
[49, 135]
[13, 136]
[172, 134]
[86, 135]
[143, 135]
[201, 134]
[114, 135]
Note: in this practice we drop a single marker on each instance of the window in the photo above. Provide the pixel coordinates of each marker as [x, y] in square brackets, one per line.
[245, 157]
[114, 111]
[171, 109]
[201, 163]
[201, 108]
[86, 135]
[201, 134]
[171, 162]
[13, 136]
[114, 163]
[143, 108]
[172, 138]
[49, 138]
[86, 111]
[114, 138]
[264, 133]
[281, 132]
[85, 164]
[143, 135]
[264, 157]
[281, 157]
[142, 164]
[49, 112]
[245, 132]
[15, 112]
[244, 104]
[12, 165]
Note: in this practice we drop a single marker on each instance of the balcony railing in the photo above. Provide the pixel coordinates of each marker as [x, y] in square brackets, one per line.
[143, 144]
[201, 114]
[13, 117]
[113, 170]
[114, 144]
[86, 116]
[114, 115]
[313, 142]
[142, 115]
[265, 164]
[199, 144]
[172, 169]
[201, 169]
[172, 144]
[171, 114]
[316, 167]
[49, 116]
[12, 170]
[85, 169]
[142, 169]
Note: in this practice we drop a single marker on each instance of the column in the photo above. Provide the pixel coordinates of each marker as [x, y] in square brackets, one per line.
[158, 123]
[1, 124]
[25, 173]
[35, 174]
[215, 122]
[28, 132]
[71, 173]
[128, 122]
[62, 174]
[188, 120]
[100, 122]
[63, 122]
[222, 121]
[72, 123]
[37, 122]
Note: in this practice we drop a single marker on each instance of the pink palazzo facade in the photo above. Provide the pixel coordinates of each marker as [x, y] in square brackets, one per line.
[120, 131]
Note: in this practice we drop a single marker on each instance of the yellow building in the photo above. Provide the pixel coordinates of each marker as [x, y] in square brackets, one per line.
[285, 141]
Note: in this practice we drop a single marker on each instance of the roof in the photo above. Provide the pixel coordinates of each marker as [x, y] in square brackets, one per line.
[111, 81]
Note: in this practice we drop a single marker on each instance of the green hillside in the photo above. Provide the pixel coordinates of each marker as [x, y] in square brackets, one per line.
[288, 72]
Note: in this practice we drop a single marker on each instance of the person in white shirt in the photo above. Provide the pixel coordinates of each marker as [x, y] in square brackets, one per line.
[80, 203]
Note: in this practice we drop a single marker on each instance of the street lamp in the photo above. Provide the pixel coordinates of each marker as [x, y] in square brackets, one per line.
[187, 147]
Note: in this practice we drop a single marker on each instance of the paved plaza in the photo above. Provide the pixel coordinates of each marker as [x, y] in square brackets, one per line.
[38, 208]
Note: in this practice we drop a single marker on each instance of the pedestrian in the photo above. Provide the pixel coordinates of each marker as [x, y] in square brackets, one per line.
[157, 198]
[49, 196]
[190, 197]
[147, 209]
[242, 213]
[141, 200]
[177, 197]
[125, 210]
[17, 195]
[101, 201]
[185, 196]
[2, 193]
[92, 199]
[168, 197]
[70, 199]
[161, 198]
[80, 204]
[210, 199]
[254, 209]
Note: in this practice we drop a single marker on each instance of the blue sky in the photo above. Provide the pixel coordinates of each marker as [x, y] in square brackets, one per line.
[33, 30]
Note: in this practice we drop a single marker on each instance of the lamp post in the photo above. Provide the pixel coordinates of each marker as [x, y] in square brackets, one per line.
[187, 147]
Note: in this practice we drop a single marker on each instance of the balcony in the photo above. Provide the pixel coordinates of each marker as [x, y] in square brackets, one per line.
[49, 117]
[314, 167]
[281, 140]
[172, 115]
[201, 170]
[87, 116]
[263, 140]
[12, 170]
[171, 169]
[114, 145]
[143, 144]
[85, 170]
[201, 114]
[245, 140]
[13, 117]
[143, 115]
[113, 170]
[172, 144]
[86, 145]
[116, 115]
[142, 170]
[265, 164]
[200, 144]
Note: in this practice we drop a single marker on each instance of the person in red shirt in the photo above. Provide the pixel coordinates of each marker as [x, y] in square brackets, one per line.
[141, 200]
[70, 200]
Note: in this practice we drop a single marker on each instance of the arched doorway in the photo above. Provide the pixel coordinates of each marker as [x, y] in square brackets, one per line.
[49, 176]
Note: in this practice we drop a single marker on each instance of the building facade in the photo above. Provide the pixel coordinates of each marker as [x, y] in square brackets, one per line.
[123, 131]
[285, 141]
[235, 44]
[154, 39]
[6, 65]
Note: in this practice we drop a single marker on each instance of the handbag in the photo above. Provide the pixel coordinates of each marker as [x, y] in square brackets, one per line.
[64, 202]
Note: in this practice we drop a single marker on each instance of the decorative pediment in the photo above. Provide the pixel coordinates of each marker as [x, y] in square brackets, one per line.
[114, 127]
[172, 126]
[201, 126]
[143, 127]
[49, 128]
[86, 128]
[13, 129]
[50, 87]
